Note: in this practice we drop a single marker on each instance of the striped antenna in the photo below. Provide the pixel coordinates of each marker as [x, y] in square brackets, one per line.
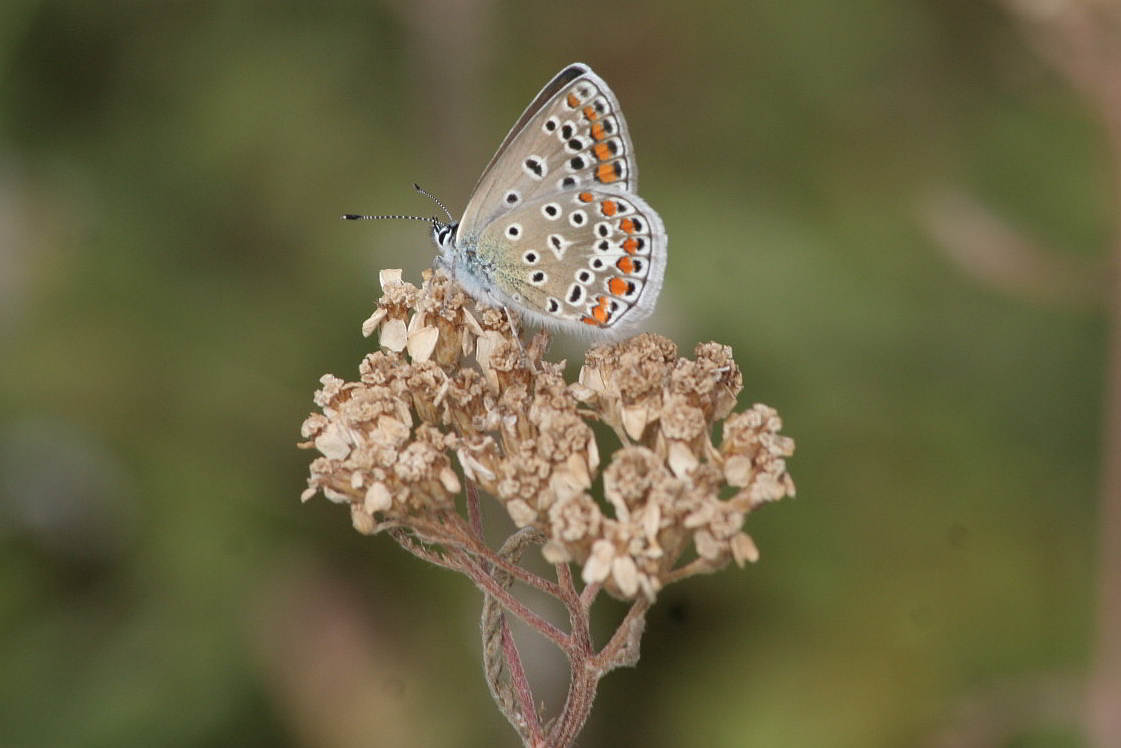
[356, 217]
[418, 188]
[433, 198]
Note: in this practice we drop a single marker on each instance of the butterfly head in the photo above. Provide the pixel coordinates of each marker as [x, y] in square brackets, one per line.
[443, 233]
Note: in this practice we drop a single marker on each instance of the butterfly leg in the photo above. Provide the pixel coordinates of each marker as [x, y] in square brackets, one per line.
[516, 333]
[537, 347]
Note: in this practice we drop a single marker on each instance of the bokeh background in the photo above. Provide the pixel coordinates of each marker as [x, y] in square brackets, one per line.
[900, 213]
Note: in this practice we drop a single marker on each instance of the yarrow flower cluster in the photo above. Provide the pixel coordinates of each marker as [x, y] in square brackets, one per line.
[453, 403]
[452, 391]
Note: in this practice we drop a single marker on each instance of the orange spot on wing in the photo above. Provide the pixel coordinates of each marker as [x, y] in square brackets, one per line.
[590, 112]
[602, 151]
[600, 311]
[586, 197]
[573, 101]
[627, 225]
[630, 245]
[609, 207]
[598, 131]
[608, 173]
[617, 286]
[626, 264]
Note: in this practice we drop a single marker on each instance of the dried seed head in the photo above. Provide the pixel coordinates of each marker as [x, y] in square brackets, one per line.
[453, 390]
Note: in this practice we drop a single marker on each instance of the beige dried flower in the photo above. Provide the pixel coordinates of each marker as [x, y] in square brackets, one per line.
[453, 400]
[453, 391]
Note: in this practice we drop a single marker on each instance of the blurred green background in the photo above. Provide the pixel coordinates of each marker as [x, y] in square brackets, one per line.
[846, 187]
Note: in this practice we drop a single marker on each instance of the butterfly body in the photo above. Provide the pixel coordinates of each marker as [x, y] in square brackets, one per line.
[554, 229]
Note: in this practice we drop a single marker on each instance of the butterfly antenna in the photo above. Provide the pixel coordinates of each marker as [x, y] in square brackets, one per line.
[433, 198]
[356, 217]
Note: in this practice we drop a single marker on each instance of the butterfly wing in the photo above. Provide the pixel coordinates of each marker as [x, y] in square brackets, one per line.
[572, 136]
[585, 259]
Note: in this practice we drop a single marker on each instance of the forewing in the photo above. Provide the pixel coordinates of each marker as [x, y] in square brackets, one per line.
[573, 136]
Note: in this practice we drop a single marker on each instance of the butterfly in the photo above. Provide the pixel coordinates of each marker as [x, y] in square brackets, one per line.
[554, 230]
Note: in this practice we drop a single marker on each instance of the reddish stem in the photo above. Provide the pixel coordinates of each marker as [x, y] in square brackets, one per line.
[521, 682]
[474, 513]
[472, 568]
[455, 532]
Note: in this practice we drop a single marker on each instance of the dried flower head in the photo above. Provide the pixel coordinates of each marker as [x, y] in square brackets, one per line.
[453, 403]
[453, 392]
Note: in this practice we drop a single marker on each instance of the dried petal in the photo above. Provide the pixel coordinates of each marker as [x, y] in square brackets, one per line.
[707, 546]
[377, 498]
[744, 550]
[555, 553]
[472, 468]
[598, 565]
[374, 321]
[422, 342]
[635, 419]
[681, 459]
[333, 443]
[449, 480]
[389, 277]
[737, 471]
[472, 323]
[394, 335]
[362, 521]
[521, 512]
[625, 574]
